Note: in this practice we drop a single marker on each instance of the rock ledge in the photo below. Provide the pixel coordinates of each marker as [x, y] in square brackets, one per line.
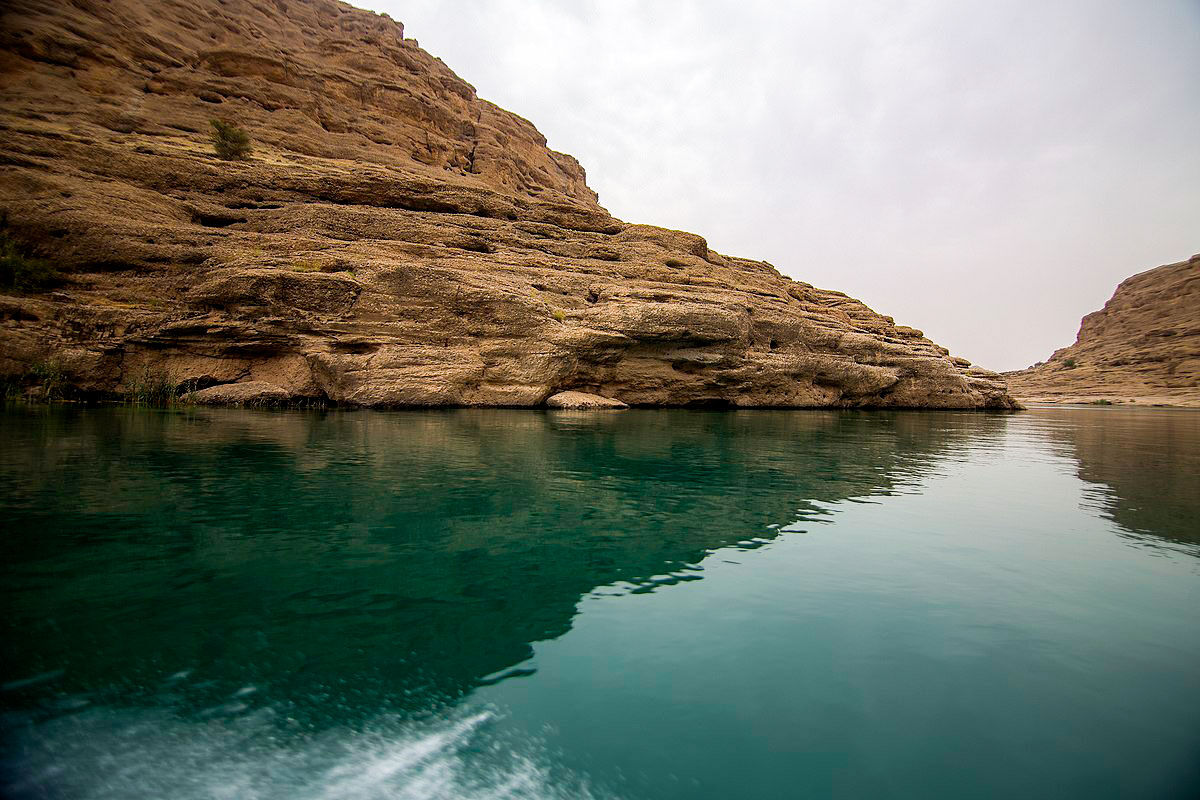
[583, 400]
[250, 393]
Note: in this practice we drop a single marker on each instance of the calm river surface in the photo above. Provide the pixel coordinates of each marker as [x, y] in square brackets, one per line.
[642, 604]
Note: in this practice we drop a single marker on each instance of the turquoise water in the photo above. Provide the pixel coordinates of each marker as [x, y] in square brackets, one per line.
[642, 604]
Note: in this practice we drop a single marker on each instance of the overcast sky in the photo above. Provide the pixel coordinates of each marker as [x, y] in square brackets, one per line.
[985, 171]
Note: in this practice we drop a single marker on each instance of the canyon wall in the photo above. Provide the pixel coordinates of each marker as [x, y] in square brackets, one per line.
[1143, 346]
[392, 241]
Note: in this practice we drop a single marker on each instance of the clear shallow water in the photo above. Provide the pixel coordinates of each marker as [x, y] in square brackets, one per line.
[463, 604]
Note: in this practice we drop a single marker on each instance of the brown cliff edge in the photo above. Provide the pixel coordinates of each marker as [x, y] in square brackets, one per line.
[393, 240]
[1143, 347]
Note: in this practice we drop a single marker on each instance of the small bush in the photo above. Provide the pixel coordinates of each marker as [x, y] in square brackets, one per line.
[1102, 402]
[231, 142]
[1070, 363]
[51, 379]
[152, 388]
[19, 271]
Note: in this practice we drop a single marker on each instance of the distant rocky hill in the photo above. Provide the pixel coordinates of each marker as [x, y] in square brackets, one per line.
[392, 241]
[1143, 346]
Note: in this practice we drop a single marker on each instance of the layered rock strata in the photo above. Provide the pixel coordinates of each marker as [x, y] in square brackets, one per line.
[393, 240]
[1143, 346]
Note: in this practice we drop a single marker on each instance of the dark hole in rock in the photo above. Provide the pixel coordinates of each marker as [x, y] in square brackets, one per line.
[355, 348]
[241, 205]
[215, 220]
[709, 402]
[19, 314]
[424, 204]
[196, 384]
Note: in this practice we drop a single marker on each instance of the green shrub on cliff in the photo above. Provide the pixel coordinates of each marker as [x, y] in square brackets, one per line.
[231, 142]
[21, 272]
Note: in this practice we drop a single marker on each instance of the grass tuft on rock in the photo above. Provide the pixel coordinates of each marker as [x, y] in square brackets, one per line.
[50, 381]
[152, 388]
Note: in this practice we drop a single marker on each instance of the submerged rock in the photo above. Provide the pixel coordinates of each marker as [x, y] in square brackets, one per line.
[393, 240]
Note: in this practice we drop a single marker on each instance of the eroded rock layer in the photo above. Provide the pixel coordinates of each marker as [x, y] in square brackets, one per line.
[393, 241]
[1144, 346]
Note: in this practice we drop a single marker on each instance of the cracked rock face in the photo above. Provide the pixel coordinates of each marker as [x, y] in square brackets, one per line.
[393, 240]
[1144, 345]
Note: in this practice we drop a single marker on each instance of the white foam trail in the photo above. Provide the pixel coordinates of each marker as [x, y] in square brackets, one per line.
[106, 753]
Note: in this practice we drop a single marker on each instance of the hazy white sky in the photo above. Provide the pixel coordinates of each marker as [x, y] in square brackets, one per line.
[985, 171]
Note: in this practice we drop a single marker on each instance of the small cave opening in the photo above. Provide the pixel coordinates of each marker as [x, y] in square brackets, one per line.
[476, 246]
[216, 220]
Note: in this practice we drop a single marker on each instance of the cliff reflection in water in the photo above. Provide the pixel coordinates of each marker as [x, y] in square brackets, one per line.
[1148, 458]
[387, 560]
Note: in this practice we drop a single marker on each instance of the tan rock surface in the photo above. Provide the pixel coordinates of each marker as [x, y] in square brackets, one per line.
[245, 393]
[583, 401]
[1143, 346]
[393, 241]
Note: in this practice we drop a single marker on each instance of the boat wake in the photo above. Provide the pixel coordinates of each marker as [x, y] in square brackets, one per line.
[102, 753]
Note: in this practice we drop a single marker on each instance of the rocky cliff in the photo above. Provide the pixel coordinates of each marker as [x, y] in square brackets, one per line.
[1143, 346]
[393, 240]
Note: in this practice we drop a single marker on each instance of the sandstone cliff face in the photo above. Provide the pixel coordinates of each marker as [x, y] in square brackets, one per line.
[1144, 345]
[393, 241]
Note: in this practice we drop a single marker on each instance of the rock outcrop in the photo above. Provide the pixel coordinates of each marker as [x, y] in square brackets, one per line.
[582, 401]
[393, 241]
[1143, 346]
[255, 394]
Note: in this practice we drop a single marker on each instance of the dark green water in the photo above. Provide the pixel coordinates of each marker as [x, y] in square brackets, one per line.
[467, 604]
